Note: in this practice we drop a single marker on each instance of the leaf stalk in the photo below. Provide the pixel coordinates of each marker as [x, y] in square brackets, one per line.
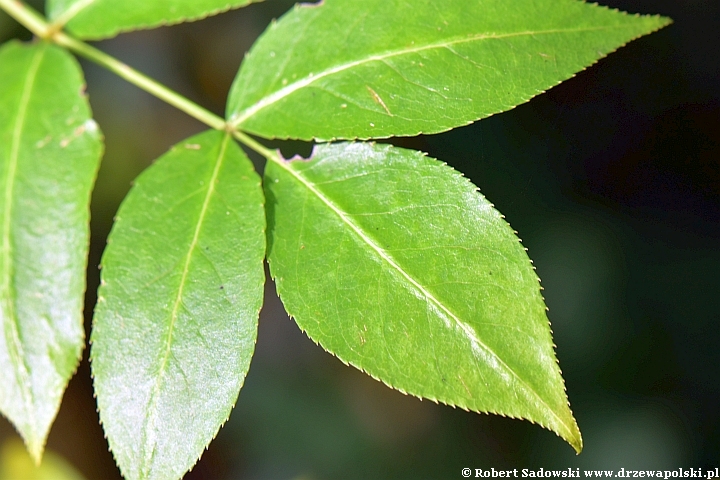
[34, 21]
[140, 80]
[26, 16]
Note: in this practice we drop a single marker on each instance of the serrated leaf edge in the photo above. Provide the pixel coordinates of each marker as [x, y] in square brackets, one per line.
[64, 19]
[21, 367]
[152, 402]
[238, 118]
[226, 140]
[469, 333]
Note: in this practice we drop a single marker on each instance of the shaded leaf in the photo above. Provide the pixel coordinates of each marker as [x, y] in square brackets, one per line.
[95, 19]
[396, 264]
[176, 319]
[50, 150]
[377, 68]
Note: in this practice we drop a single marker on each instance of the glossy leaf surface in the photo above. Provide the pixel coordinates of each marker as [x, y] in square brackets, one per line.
[95, 19]
[396, 264]
[176, 319]
[50, 150]
[377, 68]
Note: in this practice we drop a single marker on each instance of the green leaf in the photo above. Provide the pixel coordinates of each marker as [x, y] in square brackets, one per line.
[176, 319]
[377, 68]
[396, 264]
[50, 149]
[95, 19]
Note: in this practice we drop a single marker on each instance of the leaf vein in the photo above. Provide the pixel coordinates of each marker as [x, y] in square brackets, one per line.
[432, 302]
[239, 117]
[8, 306]
[178, 303]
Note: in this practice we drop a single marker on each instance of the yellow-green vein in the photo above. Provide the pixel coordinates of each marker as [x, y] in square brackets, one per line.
[468, 331]
[288, 90]
[149, 450]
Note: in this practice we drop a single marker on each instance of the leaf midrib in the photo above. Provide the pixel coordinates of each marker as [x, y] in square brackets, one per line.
[469, 332]
[149, 451]
[18, 356]
[238, 118]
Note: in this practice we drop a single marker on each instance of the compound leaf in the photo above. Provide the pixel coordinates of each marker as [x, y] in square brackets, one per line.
[95, 19]
[396, 264]
[50, 149]
[376, 68]
[176, 320]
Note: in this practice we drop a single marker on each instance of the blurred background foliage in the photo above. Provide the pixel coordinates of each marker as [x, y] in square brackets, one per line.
[612, 180]
[16, 464]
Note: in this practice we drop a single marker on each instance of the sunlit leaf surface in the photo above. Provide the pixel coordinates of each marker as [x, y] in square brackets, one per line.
[176, 319]
[50, 150]
[378, 68]
[396, 264]
[96, 19]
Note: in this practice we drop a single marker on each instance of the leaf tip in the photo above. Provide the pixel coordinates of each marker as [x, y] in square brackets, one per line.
[36, 448]
[576, 440]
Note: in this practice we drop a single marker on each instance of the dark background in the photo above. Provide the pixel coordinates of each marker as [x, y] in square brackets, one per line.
[612, 180]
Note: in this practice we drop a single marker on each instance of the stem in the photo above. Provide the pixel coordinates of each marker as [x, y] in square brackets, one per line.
[140, 80]
[34, 22]
[27, 16]
[247, 140]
